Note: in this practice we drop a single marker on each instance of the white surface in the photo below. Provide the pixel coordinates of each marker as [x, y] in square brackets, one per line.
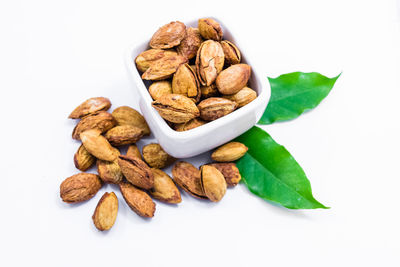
[213, 134]
[55, 54]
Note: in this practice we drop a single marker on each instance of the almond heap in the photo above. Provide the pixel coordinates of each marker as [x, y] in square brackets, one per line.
[196, 75]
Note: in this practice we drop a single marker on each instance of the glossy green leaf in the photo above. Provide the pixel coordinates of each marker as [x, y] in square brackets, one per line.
[270, 172]
[294, 93]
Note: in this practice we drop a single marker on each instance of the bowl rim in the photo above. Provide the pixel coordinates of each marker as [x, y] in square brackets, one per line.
[263, 93]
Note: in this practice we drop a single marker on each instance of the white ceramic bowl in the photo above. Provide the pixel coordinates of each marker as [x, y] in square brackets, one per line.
[215, 133]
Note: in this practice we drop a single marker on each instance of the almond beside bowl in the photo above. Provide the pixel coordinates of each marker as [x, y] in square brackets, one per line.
[210, 135]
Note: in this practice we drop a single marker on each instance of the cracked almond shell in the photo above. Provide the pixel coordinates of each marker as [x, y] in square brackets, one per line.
[139, 201]
[164, 188]
[187, 177]
[90, 106]
[209, 62]
[164, 67]
[145, 59]
[101, 120]
[190, 44]
[169, 35]
[232, 79]
[185, 83]
[106, 212]
[229, 152]
[215, 107]
[80, 187]
[231, 52]
[210, 29]
[176, 108]
[136, 171]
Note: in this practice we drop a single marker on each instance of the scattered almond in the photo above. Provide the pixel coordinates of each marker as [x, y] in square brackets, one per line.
[106, 212]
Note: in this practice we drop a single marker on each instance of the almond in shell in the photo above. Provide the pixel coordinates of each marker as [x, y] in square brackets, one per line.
[145, 59]
[139, 201]
[188, 178]
[229, 171]
[169, 35]
[160, 88]
[215, 107]
[164, 67]
[190, 44]
[109, 171]
[185, 83]
[98, 146]
[194, 123]
[209, 62]
[83, 160]
[164, 188]
[106, 212]
[232, 79]
[128, 116]
[133, 151]
[231, 52]
[243, 97]
[156, 157]
[229, 152]
[210, 29]
[80, 187]
[101, 120]
[213, 183]
[90, 106]
[124, 135]
[136, 171]
[176, 108]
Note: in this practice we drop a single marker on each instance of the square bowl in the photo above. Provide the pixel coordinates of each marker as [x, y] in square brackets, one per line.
[212, 134]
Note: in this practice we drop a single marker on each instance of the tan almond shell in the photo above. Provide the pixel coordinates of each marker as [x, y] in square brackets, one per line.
[164, 188]
[229, 152]
[133, 151]
[231, 52]
[215, 107]
[187, 177]
[98, 146]
[124, 135]
[136, 171]
[83, 160]
[101, 120]
[160, 88]
[210, 29]
[169, 35]
[229, 171]
[185, 82]
[156, 157]
[233, 78]
[109, 171]
[139, 201]
[106, 212]
[209, 62]
[194, 123]
[213, 183]
[190, 44]
[209, 91]
[80, 187]
[90, 106]
[164, 67]
[176, 108]
[243, 97]
[145, 59]
[125, 115]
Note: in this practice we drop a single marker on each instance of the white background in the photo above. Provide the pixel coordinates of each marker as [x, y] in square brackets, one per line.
[55, 54]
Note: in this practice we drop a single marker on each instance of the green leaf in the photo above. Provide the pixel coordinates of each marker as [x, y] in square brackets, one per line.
[294, 93]
[270, 172]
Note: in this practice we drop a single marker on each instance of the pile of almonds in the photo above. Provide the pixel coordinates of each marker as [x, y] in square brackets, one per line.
[197, 76]
[138, 175]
